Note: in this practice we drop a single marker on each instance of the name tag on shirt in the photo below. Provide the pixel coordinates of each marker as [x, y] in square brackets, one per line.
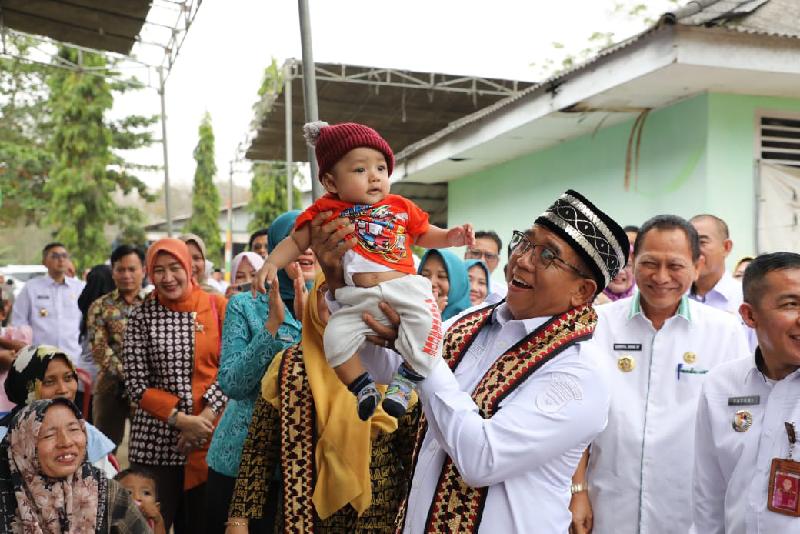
[43, 297]
[748, 400]
[628, 346]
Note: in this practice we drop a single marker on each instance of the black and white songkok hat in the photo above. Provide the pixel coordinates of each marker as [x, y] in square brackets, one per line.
[595, 237]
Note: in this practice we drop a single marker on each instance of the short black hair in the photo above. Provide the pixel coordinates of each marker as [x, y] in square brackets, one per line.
[760, 267]
[630, 228]
[125, 250]
[139, 472]
[722, 226]
[254, 235]
[669, 222]
[488, 234]
[50, 246]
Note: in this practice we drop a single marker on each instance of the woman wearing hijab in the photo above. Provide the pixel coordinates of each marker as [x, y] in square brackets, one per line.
[256, 329]
[306, 264]
[479, 277]
[48, 486]
[338, 474]
[449, 280]
[200, 266]
[171, 357]
[46, 372]
[98, 283]
[244, 267]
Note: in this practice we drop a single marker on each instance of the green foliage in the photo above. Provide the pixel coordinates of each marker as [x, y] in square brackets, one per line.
[268, 194]
[24, 126]
[205, 196]
[85, 173]
[268, 185]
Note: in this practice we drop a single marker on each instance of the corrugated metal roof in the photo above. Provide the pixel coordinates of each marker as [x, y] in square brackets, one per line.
[99, 24]
[773, 18]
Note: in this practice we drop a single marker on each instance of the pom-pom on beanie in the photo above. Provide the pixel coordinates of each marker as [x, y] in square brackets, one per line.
[332, 141]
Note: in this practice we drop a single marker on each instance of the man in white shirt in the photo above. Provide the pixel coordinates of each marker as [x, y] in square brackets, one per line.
[487, 248]
[49, 304]
[714, 285]
[656, 348]
[744, 407]
[483, 469]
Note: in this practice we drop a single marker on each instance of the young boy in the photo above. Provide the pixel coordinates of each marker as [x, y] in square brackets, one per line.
[355, 163]
[142, 487]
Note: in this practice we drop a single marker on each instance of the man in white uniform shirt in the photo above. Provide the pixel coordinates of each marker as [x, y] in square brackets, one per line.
[714, 285]
[483, 469]
[49, 304]
[743, 413]
[656, 347]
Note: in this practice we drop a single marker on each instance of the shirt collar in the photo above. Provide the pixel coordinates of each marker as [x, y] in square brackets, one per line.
[725, 288]
[757, 368]
[636, 307]
[502, 316]
[117, 296]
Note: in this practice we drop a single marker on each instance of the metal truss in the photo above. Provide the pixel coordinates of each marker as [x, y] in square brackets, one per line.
[378, 77]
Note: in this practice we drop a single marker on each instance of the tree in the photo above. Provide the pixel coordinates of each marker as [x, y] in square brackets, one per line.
[85, 172]
[268, 194]
[268, 185]
[205, 196]
[24, 124]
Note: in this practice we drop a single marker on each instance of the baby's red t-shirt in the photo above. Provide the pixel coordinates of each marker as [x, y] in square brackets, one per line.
[385, 230]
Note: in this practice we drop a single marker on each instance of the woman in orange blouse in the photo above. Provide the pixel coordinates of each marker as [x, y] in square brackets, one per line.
[171, 358]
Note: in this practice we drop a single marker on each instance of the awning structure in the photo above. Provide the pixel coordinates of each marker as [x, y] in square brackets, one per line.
[99, 24]
[404, 106]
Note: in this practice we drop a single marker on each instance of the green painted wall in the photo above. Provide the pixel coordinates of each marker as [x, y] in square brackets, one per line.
[730, 184]
[671, 173]
[696, 157]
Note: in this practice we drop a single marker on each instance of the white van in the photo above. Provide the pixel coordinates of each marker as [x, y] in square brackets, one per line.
[21, 274]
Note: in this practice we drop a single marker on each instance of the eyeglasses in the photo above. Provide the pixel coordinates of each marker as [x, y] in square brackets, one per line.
[59, 256]
[475, 254]
[520, 245]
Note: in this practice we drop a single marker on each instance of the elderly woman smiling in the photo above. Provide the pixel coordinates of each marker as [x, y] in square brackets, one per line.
[48, 486]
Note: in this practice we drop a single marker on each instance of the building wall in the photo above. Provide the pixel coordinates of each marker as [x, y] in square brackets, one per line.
[732, 149]
[696, 156]
[672, 170]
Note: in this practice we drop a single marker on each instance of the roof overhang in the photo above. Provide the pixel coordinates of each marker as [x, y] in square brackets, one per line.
[97, 24]
[402, 105]
[664, 65]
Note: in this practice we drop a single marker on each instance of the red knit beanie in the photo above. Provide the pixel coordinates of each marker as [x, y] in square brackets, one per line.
[332, 142]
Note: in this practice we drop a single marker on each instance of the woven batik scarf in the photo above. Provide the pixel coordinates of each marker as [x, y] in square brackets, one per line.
[456, 507]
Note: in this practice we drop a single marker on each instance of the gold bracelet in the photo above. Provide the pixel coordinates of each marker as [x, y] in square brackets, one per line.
[235, 523]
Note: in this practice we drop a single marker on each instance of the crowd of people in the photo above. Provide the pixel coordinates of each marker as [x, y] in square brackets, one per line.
[608, 379]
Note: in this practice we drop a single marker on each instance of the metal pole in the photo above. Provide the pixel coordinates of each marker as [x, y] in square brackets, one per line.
[166, 152]
[287, 93]
[229, 233]
[309, 89]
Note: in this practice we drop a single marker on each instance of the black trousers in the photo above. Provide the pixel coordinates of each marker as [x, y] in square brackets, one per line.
[219, 493]
[179, 508]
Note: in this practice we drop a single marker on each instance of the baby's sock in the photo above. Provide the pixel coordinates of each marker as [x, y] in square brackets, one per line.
[398, 394]
[367, 394]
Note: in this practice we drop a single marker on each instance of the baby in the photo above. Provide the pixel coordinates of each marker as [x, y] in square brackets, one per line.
[355, 163]
[142, 487]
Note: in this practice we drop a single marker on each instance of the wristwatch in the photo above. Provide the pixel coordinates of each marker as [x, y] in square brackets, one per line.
[172, 420]
[577, 488]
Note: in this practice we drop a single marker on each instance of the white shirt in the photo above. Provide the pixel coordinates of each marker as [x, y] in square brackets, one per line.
[640, 466]
[727, 296]
[732, 468]
[528, 452]
[51, 310]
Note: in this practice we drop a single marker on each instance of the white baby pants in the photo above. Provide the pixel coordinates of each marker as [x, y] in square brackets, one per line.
[419, 338]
